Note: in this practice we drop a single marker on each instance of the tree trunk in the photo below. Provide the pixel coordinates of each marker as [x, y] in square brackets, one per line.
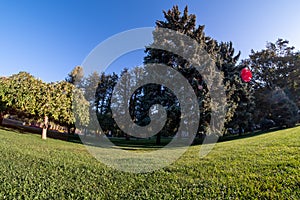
[74, 130]
[127, 137]
[45, 127]
[1, 118]
[69, 129]
[158, 137]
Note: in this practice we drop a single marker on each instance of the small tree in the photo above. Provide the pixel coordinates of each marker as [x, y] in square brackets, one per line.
[284, 111]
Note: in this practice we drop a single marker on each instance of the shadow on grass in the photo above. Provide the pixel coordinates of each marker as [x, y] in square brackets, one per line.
[36, 130]
[132, 144]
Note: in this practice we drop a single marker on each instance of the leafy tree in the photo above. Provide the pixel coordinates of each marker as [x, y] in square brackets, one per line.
[122, 98]
[80, 108]
[71, 106]
[275, 65]
[137, 103]
[77, 103]
[28, 96]
[275, 71]
[103, 102]
[294, 80]
[90, 85]
[240, 98]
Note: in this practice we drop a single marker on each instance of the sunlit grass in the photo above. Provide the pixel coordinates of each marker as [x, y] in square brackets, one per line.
[261, 167]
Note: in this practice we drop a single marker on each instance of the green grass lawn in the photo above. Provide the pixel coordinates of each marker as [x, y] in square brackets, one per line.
[261, 167]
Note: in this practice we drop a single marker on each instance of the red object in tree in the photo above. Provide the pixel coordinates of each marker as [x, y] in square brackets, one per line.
[246, 75]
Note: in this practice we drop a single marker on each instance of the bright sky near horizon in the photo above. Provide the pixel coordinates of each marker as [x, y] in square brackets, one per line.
[49, 38]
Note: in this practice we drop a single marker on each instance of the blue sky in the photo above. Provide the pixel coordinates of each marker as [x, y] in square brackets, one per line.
[48, 38]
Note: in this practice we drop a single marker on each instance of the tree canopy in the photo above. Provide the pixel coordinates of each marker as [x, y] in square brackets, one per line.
[27, 96]
[238, 94]
[276, 79]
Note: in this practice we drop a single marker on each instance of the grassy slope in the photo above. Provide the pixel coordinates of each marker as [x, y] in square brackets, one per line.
[266, 166]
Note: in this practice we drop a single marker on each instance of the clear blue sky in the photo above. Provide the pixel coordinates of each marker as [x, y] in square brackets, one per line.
[48, 38]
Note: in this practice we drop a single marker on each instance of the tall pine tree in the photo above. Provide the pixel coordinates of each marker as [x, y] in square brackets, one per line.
[223, 54]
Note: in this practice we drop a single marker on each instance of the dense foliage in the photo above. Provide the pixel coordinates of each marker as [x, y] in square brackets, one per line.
[276, 82]
[26, 96]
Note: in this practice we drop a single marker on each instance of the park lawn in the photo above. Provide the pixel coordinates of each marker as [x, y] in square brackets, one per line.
[266, 166]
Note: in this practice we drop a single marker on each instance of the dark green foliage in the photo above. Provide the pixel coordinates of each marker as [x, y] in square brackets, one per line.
[276, 65]
[239, 95]
[186, 24]
[266, 124]
[283, 111]
[274, 104]
[103, 104]
[276, 82]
